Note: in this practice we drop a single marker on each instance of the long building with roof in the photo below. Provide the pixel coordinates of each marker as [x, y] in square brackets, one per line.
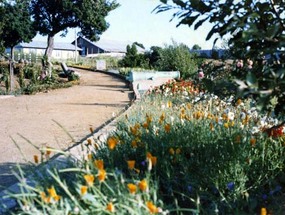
[61, 50]
[103, 47]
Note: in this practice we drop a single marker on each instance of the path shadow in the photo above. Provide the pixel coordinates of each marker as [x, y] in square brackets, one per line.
[107, 85]
[102, 104]
[8, 171]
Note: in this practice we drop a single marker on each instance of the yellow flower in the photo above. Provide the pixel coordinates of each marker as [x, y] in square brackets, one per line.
[48, 151]
[143, 185]
[152, 208]
[89, 156]
[162, 117]
[238, 139]
[145, 125]
[263, 211]
[225, 117]
[252, 141]
[36, 159]
[148, 119]
[148, 155]
[197, 115]
[153, 160]
[131, 164]
[134, 130]
[112, 142]
[239, 101]
[89, 179]
[171, 151]
[45, 198]
[211, 127]
[102, 175]
[178, 151]
[110, 207]
[83, 190]
[226, 125]
[134, 144]
[99, 164]
[57, 198]
[89, 141]
[188, 105]
[167, 127]
[132, 188]
[96, 146]
[53, 194]
[169, 104]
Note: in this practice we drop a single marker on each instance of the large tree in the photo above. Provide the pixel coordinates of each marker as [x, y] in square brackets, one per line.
[54, 16]
[17, 27]
[257, 32]
[1, 26]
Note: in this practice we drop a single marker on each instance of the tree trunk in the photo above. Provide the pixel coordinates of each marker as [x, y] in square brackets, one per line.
[47, 65]
[11, 68]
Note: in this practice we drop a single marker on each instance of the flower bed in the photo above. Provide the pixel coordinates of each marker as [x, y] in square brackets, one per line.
[178, 151]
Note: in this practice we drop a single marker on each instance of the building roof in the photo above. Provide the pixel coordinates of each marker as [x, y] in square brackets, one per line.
[112, 45]
[43, 45]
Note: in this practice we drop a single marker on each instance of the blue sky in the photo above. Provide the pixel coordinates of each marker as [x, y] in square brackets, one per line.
[135, 21]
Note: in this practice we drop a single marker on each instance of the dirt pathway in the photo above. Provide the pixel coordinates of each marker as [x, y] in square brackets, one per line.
[90, 104]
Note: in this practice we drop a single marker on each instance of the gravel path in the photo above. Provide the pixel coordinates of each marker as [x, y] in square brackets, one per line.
[37, 118]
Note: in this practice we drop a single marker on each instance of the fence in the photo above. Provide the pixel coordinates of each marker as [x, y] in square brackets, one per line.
[31, 57]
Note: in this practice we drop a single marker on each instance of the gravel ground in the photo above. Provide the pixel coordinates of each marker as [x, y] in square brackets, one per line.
[44, 118]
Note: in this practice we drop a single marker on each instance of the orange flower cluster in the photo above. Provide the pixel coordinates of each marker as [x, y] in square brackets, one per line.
[112, 142]
[51, 197]
[90, 178]
[151, 158]
[152, 208]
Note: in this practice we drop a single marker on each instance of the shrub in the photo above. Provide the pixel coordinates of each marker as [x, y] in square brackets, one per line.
[133, 58]
[177, 57]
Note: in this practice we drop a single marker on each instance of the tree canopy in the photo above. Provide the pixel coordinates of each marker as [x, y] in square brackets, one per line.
[17, 23]
[257, 35]
[54, 16]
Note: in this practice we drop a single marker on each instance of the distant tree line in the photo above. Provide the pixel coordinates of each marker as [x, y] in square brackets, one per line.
[173, 57]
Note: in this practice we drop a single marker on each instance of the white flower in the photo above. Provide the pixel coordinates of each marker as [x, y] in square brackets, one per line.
[172, 119]
[231, 115]
[254, 130]
[263, 122]
[241, 125]
[76, 210]
[242, 115]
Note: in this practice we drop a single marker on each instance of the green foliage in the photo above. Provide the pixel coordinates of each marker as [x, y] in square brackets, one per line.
[88, 15]
[181, 151]
[154, 56]
[177, 57]
[256, 30]
[196, 47]
[18, 26]
[5, 77]
[133, 58]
